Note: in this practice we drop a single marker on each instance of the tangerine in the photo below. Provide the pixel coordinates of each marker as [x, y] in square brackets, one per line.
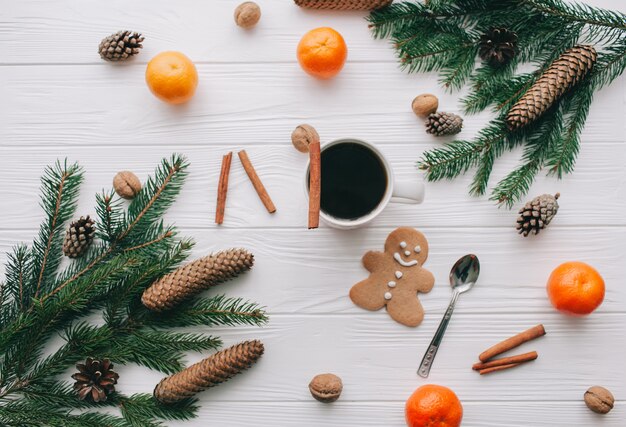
[433, 406]
[576, 288]
[322, 52]
[172, 77]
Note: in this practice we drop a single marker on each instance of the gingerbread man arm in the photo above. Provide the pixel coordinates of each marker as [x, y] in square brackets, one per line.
[372, 260]
[420, 280]
[367, 294]
[404, 307]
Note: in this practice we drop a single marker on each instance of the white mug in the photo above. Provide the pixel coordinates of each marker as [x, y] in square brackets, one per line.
[398, 192]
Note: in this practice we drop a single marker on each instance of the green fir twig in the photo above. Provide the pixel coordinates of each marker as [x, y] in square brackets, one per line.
[443, 36]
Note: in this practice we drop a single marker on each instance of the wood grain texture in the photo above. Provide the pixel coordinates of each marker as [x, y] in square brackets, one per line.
[60, 100]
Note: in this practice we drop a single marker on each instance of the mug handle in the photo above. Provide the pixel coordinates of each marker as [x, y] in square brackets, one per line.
[408, 192]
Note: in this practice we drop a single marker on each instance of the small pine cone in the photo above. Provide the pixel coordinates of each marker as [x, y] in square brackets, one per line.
[440, 124]
[537, 214]
[79, 237]
[212, 371]
[195, 277]
[120, 46]
[564, 73]
[95, 379]
[497, 46]
[343, 4]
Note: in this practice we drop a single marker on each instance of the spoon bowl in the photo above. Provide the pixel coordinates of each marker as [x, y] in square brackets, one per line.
[464, 273]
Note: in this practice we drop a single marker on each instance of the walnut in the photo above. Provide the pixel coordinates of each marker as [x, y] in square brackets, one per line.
[326, 387]
[599, 400]
[247, 14]
[425, 104]
[126, 184]
[302, 136]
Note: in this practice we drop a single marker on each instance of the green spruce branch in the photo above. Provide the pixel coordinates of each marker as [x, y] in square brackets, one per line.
[40, 300]
[444, 35]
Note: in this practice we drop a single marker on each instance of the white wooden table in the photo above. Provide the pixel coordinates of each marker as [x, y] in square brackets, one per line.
[58, 99]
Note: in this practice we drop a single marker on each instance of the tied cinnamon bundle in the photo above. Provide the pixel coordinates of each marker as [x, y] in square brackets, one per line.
[195, 277]
[209, 372]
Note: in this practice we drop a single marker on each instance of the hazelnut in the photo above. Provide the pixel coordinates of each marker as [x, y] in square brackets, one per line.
[599, 400]
[302, 136]
[126, 184]
[425, 104]
[326, 387]
[247, 14]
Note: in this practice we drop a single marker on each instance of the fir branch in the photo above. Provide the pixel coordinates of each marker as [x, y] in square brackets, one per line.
[59, 187]
[136, 249]
[518, 182]
[443, 36]
[579, 12]
[217, 310]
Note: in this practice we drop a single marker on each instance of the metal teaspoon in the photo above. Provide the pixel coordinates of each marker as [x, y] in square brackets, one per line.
[463, 276]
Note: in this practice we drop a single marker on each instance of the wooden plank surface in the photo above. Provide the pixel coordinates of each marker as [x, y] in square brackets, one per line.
[60, 100]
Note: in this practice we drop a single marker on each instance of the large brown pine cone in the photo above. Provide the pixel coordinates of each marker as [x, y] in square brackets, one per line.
[195, 277]
[565, 72]
[343, 4]
[209, 372]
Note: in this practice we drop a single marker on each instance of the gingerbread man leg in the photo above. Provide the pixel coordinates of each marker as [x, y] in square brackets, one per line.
[404, 307]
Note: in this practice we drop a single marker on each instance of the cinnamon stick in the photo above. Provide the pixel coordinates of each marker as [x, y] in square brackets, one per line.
[498, 368]
[315, 184]
[222, 188]
[514, 341]
[256, 181]
[520, 358]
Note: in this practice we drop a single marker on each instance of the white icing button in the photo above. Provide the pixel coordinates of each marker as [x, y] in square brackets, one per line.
[418, 249]
[391, 284]
[407, 253]
[387, 295]
[403, 245]
[398, 274]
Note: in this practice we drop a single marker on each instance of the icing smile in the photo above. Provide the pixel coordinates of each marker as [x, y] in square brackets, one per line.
[402, 262]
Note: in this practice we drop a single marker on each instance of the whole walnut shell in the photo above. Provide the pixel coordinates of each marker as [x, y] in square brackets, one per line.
[326, 388]
[425, 104]
[247, 14]
[599, 400]
[126, 184]
[302, 136]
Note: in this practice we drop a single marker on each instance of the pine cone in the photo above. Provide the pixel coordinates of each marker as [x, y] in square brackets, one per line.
[95, 380]
[120, 46]
[537, 214]
[498, 46]
[343, 4]
[195, 277]
[440, 124]
[79, 237]
[209, 372]
[565, 72]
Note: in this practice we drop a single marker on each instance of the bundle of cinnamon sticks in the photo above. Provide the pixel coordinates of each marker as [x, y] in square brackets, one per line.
[487, 362]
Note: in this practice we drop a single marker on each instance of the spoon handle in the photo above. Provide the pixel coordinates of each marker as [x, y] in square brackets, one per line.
[429, 356]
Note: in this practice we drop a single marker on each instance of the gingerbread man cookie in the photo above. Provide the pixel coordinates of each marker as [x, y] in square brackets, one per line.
[396, 276]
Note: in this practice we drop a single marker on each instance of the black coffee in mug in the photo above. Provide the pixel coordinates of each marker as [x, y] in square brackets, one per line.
[354, 180]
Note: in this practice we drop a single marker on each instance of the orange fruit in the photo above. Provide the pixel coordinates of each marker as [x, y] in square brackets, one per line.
[172, 77]
[433, 406]
[322, 52]
[575, 288]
